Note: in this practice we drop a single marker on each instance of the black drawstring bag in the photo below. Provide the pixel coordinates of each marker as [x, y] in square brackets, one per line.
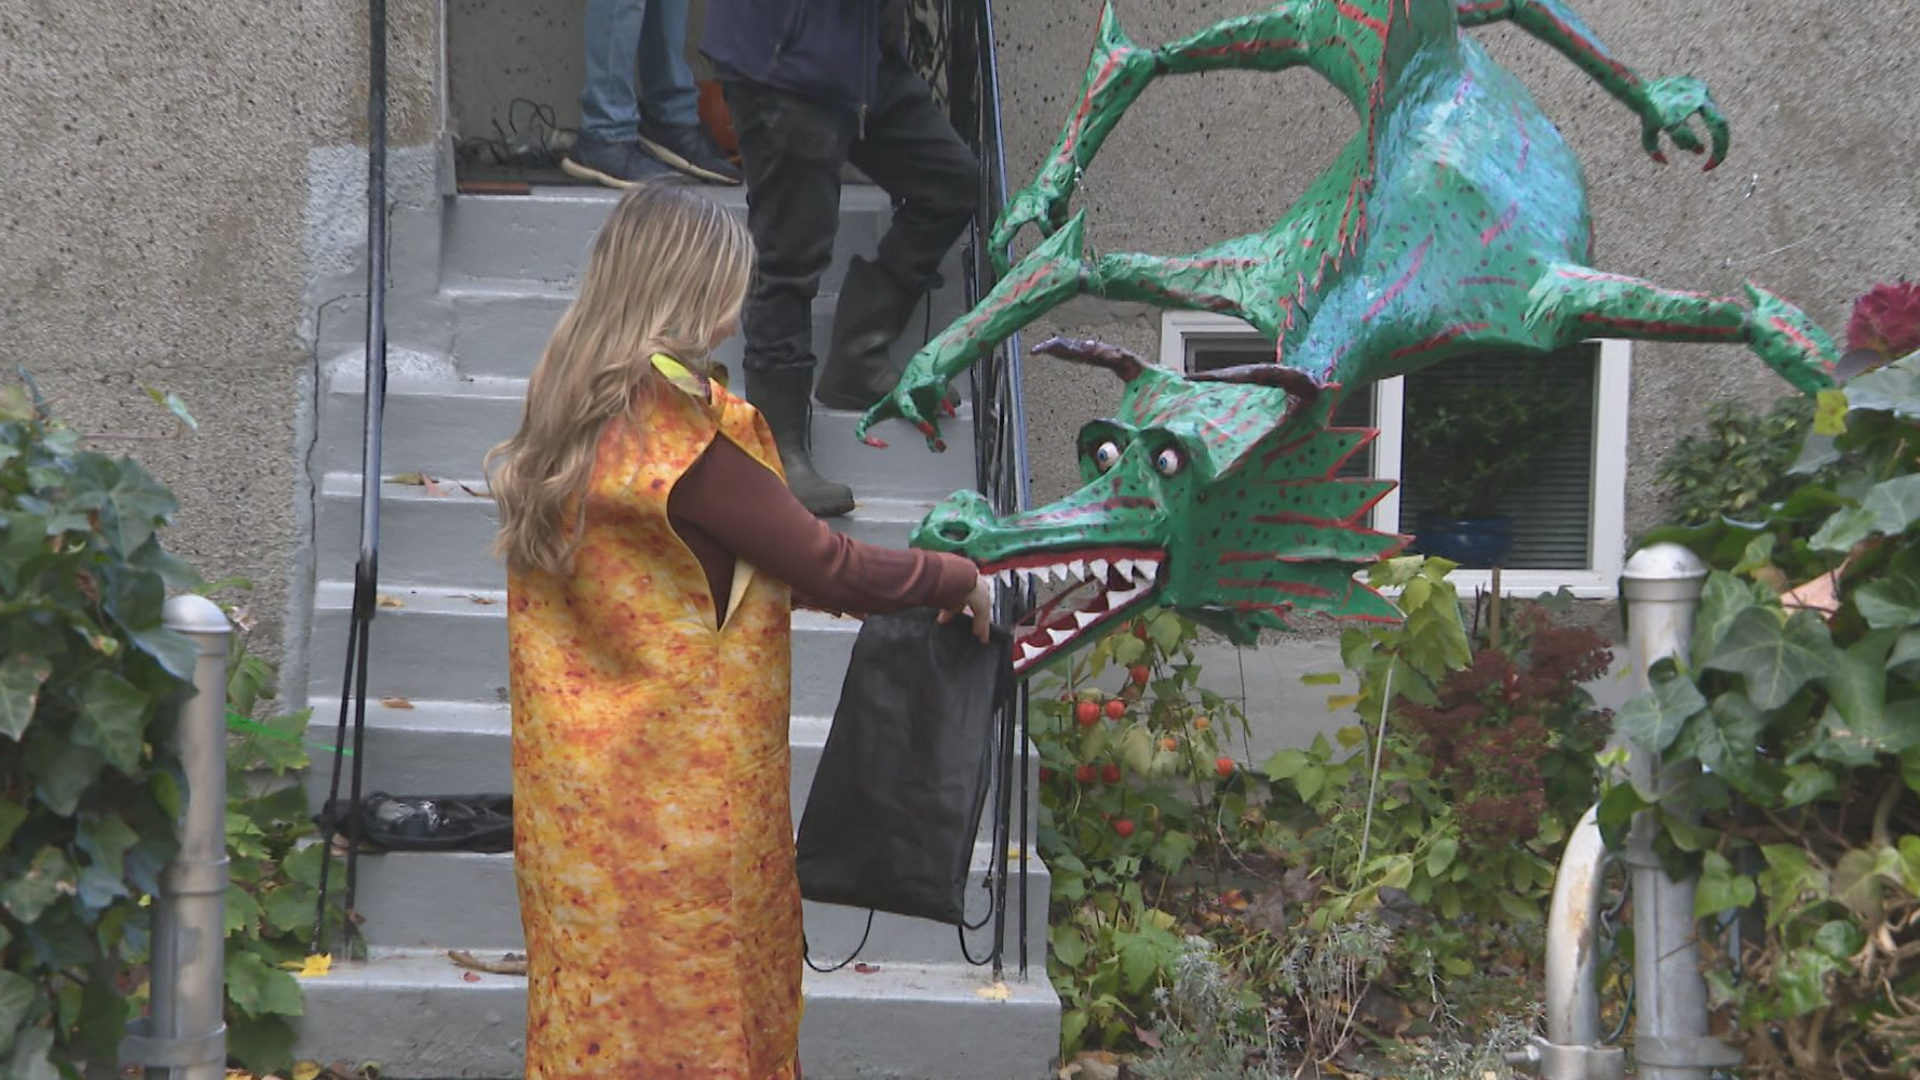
[423, 822]
[895, 806]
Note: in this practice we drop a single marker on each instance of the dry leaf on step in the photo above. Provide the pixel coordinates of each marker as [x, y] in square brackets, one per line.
[996, 992]
[306, 1070]
[866, 969]
[383, 600]
[396, 703]
[409, 479]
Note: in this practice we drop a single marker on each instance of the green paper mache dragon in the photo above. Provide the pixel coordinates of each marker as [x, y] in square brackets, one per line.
[1454, 222]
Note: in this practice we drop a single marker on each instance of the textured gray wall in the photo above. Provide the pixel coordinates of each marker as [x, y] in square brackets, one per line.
[157, 235]
[1819, 95]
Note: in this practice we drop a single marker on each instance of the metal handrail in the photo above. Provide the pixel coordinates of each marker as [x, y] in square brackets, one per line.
[366, 572]
[999, 410]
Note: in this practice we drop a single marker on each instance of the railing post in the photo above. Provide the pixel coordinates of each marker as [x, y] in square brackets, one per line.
[1571, 1049]
[184, 1037]
[1661, 588]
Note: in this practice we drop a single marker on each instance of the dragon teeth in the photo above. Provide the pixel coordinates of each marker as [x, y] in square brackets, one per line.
[1099, 568]
[1060, 637]
[1148, 569]
[1078, 568]
[1029, 653]
[1126, 568]
[1085, 618]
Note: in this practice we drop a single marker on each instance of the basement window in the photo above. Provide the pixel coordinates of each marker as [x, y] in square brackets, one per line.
[1569, 523]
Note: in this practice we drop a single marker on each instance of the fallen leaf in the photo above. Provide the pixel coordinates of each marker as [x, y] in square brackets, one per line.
[410, 479]
[312, 967]
[470, 976]
[478, 599]
[482, 493]
[865, 969]
[396, 703]
[306, 1070]
[997, 992]
[1148, 1037]
[509, 964]
[383, 600]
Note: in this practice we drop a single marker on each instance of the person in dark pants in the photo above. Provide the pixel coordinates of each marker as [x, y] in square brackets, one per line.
[812, 85]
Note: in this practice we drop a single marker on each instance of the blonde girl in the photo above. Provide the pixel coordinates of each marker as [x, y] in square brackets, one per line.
[654, 555]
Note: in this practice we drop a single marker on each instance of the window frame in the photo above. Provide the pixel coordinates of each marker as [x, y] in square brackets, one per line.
[1607, 508]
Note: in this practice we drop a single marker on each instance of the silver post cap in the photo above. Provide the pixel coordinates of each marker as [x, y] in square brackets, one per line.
[1663, 572]
[191, 614]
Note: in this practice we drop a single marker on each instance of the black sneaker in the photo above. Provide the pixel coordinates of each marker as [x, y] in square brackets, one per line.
[686, 147]
[618, 165]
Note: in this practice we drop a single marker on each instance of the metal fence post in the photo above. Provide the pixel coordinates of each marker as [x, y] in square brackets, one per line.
[1661, 588]
[184, 1037]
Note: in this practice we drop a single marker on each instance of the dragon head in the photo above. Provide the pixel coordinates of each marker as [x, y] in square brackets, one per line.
[1215, 495]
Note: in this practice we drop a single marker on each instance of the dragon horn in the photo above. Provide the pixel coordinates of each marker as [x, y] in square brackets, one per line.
[1095, 353]
[1295, 382]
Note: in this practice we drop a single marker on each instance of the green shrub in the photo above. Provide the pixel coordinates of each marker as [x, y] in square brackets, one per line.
[89, 785]
[1739, 467]
[1800, 692]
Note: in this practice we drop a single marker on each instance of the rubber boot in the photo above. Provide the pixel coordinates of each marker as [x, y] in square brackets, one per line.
[781, 397]
[872, 313]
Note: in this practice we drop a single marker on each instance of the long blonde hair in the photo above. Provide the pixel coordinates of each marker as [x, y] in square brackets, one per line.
[668, 273]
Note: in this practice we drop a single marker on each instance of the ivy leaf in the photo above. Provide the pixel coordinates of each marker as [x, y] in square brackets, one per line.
[1789, 879]
[24, 539]
[61, 771]
[1859, 722]
[259, 990]
[29, 1060]
[1725, 738]
[1894, 388]
[29, 895]
[1839, 939]
[112, 720]
[136, 504]
[1829, 414]
[1285, 765]
[175, 651]
[1894, 504]
[1441, 855]
[1801, 980]
[179, 408]
[17, 998]
[1720, 889]
[1721, 601]
[12, 814]
[1654, 719]
[1807, 781]
[263, 1044]
[20, 680]
[1776, 659]
[1856, 884]
[1616, 810]
[1843, 530]
[1890, 602]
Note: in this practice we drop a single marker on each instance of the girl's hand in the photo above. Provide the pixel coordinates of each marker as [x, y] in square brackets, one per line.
[979, 604]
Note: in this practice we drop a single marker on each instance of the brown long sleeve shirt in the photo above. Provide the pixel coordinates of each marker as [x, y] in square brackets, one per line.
[729, 506]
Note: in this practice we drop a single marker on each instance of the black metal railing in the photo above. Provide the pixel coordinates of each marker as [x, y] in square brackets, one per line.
[999, 421]
[366, 572]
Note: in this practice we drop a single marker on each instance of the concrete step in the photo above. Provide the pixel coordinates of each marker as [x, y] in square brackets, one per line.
[405, 898]
[444, 537]
[500, 327]
[417, 1015]
[457, 747]
[545, 235]
[450, 644]
[444, 427]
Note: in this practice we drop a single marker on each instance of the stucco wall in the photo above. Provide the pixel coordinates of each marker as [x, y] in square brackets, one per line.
[1818, 199]
[157, 234]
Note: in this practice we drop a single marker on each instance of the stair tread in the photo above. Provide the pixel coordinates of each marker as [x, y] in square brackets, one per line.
[330, 594]
[347, 485]
[853, 197]
[430, 969]
[484, 387]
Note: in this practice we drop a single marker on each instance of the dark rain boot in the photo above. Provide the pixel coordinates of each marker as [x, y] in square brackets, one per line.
[873, 311]
[781, 397]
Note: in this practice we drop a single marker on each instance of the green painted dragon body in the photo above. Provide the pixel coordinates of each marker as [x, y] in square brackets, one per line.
[1454, 222]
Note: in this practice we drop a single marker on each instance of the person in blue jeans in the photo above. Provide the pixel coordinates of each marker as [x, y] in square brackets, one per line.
[639, 109]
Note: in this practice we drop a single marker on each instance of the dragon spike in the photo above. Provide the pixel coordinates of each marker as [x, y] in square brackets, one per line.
[1295, 382]
[1093, 353]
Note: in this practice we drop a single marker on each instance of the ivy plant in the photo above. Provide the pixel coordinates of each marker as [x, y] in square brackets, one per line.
[89, 785]
[1798, 703]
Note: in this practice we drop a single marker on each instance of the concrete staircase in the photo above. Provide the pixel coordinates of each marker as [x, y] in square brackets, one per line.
[438, 721]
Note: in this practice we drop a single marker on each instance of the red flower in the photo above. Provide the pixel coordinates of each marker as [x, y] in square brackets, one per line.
[1887, 320]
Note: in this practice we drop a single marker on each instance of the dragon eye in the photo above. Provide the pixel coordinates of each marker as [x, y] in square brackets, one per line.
[1106, 454]
[1168, 461]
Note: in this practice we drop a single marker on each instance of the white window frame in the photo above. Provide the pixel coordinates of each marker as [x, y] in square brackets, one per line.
[1607, 513]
